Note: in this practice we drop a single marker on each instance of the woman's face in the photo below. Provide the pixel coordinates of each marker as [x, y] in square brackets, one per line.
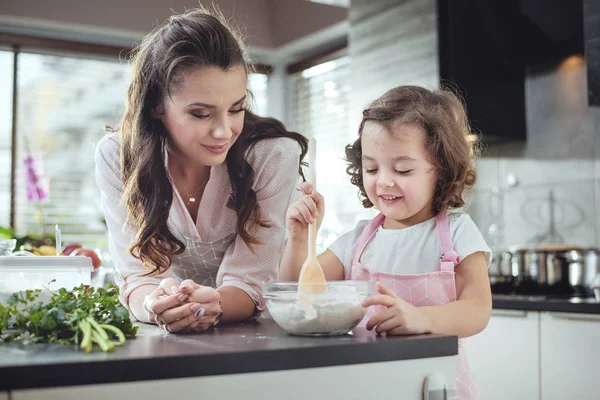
[205, 113]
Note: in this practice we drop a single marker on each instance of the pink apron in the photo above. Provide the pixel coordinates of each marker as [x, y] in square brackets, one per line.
[429, 289]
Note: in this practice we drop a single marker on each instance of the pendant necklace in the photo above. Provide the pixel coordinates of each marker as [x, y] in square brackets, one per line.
[192, 197]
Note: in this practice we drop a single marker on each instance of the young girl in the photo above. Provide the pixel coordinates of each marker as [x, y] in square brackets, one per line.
[413, 162]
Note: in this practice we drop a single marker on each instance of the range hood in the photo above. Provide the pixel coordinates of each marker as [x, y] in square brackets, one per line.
[486, 46]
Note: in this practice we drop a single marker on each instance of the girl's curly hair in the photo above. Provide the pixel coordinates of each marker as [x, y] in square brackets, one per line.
[449, 141]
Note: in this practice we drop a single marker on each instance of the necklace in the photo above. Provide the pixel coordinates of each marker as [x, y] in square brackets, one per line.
[192, 197]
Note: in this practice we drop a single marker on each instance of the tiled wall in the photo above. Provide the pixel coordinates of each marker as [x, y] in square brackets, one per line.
[561, 156]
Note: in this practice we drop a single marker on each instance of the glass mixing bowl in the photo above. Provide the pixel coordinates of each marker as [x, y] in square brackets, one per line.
[334, 312]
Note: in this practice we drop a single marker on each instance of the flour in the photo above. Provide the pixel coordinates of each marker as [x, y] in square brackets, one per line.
[317, 314]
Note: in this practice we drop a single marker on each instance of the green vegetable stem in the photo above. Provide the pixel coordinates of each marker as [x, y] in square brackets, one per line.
[85, 315]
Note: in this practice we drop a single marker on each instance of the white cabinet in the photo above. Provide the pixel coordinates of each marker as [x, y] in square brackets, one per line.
[394, 379]
[3, 396]
[505, 357]
[570, 353]
[534, 355]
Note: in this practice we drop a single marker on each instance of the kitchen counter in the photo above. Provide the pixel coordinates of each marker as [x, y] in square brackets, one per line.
[544, 303]
[246, 348]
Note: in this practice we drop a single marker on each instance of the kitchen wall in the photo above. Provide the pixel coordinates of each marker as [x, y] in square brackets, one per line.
[391, 43]
[561, 158]
[394, 42]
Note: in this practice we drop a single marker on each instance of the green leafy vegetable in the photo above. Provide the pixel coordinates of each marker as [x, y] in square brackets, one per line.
[6, 233]
[84, 315]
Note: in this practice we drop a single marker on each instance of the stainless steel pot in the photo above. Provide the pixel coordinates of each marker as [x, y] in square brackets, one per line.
[502, 279]
[554, 270]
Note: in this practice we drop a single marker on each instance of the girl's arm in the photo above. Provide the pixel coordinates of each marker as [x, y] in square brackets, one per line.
[236, 304]
[310, 207]
[471, 312]
[295, 255]
[467, 316]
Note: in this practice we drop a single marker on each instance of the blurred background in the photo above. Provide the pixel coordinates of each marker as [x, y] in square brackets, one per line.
[522, 68]
[528, 70]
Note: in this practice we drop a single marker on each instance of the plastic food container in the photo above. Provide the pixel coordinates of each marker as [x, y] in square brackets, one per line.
[37, 272]
[335, 312]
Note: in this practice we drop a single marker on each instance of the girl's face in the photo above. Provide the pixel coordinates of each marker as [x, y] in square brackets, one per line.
[397, 176]
[205, 114]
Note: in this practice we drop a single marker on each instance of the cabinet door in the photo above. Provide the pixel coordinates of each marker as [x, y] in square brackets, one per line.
[505, 357]
[380, 380]
[570, 351]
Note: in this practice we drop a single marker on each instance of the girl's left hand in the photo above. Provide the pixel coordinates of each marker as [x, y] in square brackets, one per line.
[398, 317]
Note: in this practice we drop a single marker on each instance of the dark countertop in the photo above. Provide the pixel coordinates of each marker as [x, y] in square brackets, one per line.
[249, 347]
[544, 303]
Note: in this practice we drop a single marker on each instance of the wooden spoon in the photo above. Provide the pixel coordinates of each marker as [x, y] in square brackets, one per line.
[312, 278]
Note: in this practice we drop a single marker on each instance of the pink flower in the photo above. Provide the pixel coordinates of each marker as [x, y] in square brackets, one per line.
[38, 185]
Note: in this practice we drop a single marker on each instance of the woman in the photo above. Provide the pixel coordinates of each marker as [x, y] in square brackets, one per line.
[195, 187]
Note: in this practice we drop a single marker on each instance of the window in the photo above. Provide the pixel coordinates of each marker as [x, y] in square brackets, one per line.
[6, 92]
[257, 85]
[64, 103]
[318, 107]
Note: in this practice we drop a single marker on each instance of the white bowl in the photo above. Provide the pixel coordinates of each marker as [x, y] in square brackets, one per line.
[334, 312]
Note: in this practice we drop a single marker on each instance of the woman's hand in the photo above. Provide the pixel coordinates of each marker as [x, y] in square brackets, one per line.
[209, 299]
[398, 317]
[303, 211]
[170, 307]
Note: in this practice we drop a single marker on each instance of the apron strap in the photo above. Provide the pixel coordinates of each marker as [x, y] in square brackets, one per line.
[366, 235]
[449, 257]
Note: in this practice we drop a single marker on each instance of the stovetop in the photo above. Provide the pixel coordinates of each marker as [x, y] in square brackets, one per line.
[529, 288]
[582, 305]
[541, 297]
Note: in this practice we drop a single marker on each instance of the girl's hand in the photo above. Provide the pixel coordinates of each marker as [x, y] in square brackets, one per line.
[209, 300]
[170, 308]
[310, 207]
[398, 317]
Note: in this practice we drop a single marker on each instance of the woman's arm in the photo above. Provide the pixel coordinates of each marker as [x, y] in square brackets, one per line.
[243, 271]
[128, 269]
[136, 303]
[148, 298]
[471, 312]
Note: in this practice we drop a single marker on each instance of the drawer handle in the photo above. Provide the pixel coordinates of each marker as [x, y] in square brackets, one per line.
[509, 313]
[575, 317]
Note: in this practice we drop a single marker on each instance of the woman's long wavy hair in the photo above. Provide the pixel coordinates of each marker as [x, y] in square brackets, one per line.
[451, 147]
[197, 38]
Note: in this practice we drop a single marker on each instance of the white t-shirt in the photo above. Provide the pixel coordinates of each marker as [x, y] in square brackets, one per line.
[412, 250]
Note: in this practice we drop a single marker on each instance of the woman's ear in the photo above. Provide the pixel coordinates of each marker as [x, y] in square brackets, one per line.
[158, 111]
